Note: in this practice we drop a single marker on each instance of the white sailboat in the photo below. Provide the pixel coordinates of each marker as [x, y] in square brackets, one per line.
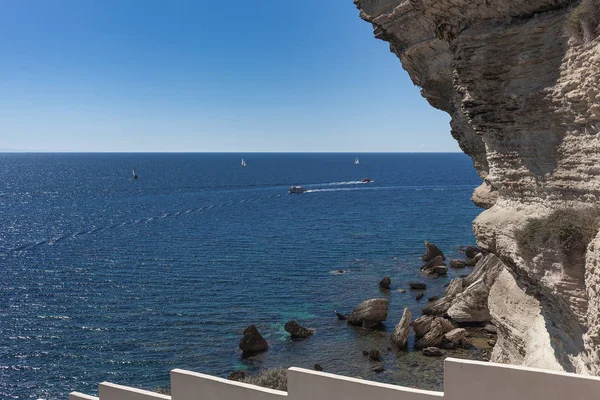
[356, 162]
[134, 174]
[243, 163]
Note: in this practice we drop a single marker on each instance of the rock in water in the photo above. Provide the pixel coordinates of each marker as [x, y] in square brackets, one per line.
[418, 285]
[237, 375]
[489, 328]
[378, 369]
[438, 307]
[431, 252]
[422, 325]
[433, 298]
[432, 352]
[455, 335]
[385, 283]
[400, 334]
[433, 338]
[341, 317]
[375, 355]
[369, 313]
[440, 270]
[457, 263]
[318, 367]
[419, 296]
[253, 342]
[297, 330]
[472, 251]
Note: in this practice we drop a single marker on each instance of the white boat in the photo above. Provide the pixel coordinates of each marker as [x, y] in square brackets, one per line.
[356, 162]
[134, 174]
[297, 190]
[243, 163]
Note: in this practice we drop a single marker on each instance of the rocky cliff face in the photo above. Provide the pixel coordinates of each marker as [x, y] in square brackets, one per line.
[520, 80]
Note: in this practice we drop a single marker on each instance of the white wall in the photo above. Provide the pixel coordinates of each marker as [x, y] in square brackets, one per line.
[463, 380]
[187, 385]
[474, 380]
[306, 384]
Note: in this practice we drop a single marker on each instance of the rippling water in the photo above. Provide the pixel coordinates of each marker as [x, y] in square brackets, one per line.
[107, 278]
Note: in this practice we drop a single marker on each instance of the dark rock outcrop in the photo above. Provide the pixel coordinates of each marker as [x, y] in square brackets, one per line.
[253, 342]
[418, 285]
[374, 355]
[457, 263]
[369, 313]
[385, 283]
[432, 352]
[297, 330]
[431, 252]
[340, 316]
[237, 375]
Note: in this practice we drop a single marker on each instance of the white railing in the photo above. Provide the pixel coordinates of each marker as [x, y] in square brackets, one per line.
[463, 380]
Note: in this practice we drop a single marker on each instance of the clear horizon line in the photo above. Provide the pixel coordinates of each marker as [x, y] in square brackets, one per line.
[10, 151]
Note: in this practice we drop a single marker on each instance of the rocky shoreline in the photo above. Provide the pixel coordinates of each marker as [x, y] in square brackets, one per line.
[457, 324]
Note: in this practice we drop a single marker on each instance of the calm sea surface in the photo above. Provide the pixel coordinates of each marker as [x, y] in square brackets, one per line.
[104, 278]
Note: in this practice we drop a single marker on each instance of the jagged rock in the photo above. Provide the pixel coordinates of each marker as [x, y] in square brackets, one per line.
[378, 369]
[418, 285]
[374, 355]
[432, 352]
[440, 270]
[341, 317]
[464, 343]
[489, 328]
[401, 332]
[431, 252]
[297, 330]
[472, 251]
[471, 262]
[455, 335]
[419, 296]
[369, 313]
[318, 367]
[385, 283]
[471, 305]
[237, 375]
[447, 325]
[454, 288]
[253, 342]
[435, 261]
[438, 307]
[422, 325]
[491, 342]
[432, 338]
[457, 263]
[433, 298]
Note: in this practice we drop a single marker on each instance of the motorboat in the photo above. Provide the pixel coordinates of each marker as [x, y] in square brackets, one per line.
[365, 180]
[297, 190]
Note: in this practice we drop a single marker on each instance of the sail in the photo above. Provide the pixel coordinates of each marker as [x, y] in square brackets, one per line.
[243, 163]
[356, 162]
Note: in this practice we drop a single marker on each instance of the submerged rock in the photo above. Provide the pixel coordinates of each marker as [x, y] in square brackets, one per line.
[401, 332]
[472, 251]
[369, 313]
[489, 328]
[385, 283]
[431, 252]
[318, 367]
[433, 298]
[378, 369]
[419, 296]
[374, 355]
[432, 352]
[253, 342]
[297, 330]
[457, 263]
[237, 375]
[418, 285]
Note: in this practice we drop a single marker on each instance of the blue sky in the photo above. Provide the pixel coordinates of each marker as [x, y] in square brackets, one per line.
[145, 75]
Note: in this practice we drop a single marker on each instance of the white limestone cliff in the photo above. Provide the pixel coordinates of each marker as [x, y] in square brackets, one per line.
[521, 81]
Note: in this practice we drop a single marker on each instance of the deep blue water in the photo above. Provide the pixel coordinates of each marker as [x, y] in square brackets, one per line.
[104, 278]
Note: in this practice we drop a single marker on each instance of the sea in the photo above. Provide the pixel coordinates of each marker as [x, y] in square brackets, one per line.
[107, 278]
